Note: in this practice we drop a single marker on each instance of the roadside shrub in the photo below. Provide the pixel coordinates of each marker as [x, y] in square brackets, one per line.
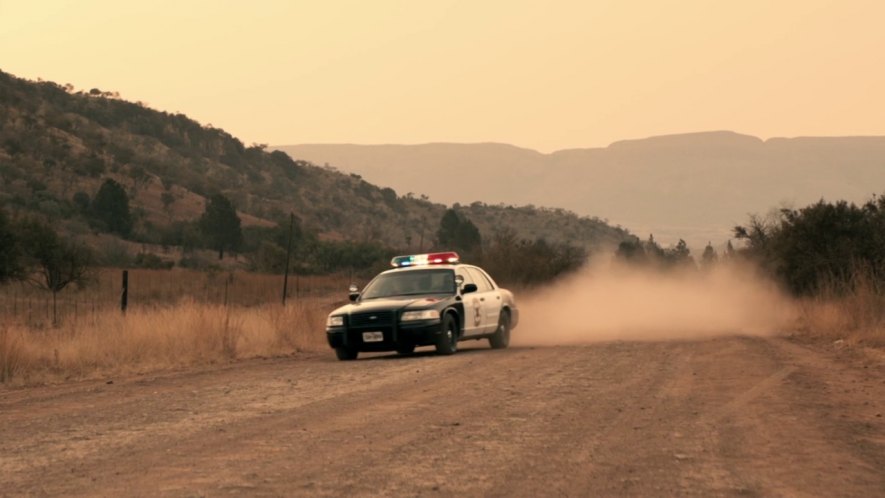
[854, 311]
[820, 247]
[515, 262]
[151, 261]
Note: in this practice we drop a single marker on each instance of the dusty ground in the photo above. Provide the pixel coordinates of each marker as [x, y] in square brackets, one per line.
[720, 417]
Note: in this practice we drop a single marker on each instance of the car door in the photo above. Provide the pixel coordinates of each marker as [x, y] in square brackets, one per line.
[489, 300]
[472, 306]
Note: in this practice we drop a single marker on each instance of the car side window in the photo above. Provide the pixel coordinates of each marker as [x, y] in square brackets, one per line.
[487, 277]
[482, 283]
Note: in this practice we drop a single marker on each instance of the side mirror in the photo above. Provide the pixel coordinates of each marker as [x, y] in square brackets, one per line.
[469, 288]
[354, 292]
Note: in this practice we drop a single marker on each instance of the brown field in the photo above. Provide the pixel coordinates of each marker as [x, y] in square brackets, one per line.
[179, 318]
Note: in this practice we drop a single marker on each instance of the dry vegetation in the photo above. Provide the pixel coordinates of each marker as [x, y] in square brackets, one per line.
[855, 315]
[175, 319]
[183, 318]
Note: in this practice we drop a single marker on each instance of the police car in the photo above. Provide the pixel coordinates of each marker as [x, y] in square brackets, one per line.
[425, 300]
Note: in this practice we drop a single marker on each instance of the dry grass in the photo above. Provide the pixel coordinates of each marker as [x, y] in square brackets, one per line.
[855, 314]
[175, 318]
[184, 334]
[148, 289]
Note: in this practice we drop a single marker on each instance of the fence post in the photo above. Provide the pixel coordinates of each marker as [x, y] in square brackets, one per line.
[124, 296]
[288, 257]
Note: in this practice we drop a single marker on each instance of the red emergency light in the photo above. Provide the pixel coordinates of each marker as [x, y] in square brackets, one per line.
[435, 258]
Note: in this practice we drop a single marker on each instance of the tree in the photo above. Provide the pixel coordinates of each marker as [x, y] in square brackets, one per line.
[458, 233]
[53, 262]
[168, 199]
[139, 175]
[111, 207]
[709, 257]
[81, 200]
[631, 251]
[448, 228]
[729, 250]
[821, 246]
[220, 225]
[653, 250]
[10, 255]
[679, 255]
[527, 263]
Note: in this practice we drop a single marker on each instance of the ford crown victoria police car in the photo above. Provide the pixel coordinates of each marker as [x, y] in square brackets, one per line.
[427, 299]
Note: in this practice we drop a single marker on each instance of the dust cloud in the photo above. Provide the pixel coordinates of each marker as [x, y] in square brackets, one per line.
[609, 301]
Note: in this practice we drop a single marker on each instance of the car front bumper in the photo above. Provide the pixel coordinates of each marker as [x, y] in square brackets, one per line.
[419, 333]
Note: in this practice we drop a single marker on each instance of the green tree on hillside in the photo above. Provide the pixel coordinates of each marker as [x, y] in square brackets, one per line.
[53, 262]
[221, 225]
[81, 201]
[111, 207]
[168, 199]
[10, 256]
[457, 232]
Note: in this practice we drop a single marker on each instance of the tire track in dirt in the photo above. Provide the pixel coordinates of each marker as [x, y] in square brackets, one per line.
[721, 417]
[329, 435]
[172, 408]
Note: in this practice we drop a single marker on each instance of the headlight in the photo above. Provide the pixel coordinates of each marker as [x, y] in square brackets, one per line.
[410, 316]
[335, 321]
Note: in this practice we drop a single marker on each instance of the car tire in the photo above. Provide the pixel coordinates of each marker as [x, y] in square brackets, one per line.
[501, 338]
[447, 342]
[345, 353]
[405, 349]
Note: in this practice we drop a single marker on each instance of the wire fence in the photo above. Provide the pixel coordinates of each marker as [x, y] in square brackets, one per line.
[34, 307]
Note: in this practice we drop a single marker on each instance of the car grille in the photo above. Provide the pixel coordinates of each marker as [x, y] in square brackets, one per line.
[374, 319]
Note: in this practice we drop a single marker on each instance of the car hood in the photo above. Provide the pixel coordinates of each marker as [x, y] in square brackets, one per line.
[387, 304]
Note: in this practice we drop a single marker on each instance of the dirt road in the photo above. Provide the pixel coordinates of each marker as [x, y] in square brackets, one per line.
[731, 416]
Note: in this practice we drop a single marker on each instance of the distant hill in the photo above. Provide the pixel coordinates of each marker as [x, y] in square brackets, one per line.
[696, 186]
[58, 144]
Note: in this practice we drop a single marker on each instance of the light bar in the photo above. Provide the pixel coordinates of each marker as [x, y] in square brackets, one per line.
[435, 258]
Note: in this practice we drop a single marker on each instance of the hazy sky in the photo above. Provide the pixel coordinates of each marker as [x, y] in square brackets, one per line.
[540, 74]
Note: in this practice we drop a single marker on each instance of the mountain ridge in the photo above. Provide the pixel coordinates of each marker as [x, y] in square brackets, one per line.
[691, 185]
[617, 143]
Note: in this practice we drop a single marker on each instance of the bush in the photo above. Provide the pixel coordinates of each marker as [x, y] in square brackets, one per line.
[152, 262]
[522, 262]
[819, 246]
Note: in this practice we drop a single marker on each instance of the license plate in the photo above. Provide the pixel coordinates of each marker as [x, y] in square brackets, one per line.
[373, 336]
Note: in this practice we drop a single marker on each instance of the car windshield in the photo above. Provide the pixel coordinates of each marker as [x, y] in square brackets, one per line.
[411, 283]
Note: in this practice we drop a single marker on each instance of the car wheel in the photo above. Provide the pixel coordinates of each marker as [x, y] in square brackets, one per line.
[405, 348]
[501, 339]
[345, 353]
[447, 343]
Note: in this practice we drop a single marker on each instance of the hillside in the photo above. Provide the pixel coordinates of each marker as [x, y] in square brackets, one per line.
[56, 142]
[696, 186]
